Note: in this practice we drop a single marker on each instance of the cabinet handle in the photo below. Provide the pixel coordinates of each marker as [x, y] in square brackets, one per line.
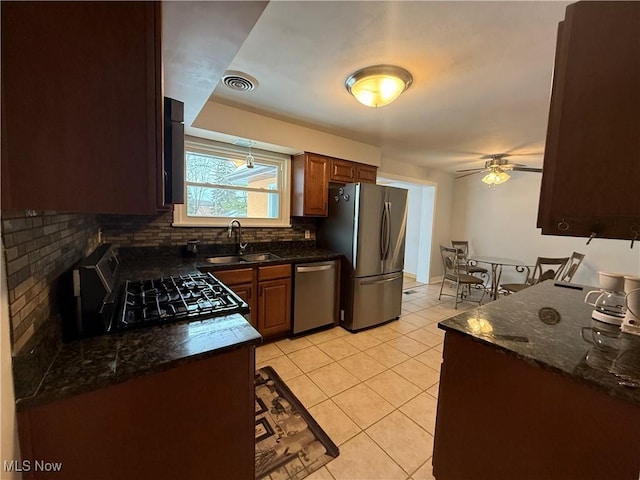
[636, 233]
[563, 226]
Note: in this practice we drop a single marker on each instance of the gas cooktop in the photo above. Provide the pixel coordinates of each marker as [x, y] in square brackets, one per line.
[174, 298]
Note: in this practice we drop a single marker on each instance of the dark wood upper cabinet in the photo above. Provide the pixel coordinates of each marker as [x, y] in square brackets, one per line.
[342, 171]
[310, 181]
[591, 177]
[82, 106]
[366, 173]
[310, 185]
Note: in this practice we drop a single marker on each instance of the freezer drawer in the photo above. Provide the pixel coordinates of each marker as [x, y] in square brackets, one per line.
[315, 300]
[376, 300]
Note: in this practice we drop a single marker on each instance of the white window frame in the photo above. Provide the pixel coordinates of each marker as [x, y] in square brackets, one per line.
[210, 147]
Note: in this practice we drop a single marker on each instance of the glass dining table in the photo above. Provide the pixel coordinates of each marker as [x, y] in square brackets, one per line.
[496, 269]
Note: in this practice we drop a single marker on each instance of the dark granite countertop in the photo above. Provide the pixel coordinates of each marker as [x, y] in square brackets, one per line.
[543, 325]
[139, 264]
[98, 362]
[86, 365]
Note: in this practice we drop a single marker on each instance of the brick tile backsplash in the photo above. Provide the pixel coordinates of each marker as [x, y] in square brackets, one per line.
[38, 249]
[157, 231]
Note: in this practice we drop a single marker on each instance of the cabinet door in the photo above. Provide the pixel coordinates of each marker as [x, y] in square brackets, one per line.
[316, 191]
[242, 282]
[366, 173]
[85, 77]
[591, 174]
[274, 310]
[310, 185]
[342, 171]
[246, 292]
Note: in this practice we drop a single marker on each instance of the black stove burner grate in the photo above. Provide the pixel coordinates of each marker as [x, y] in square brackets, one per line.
[171, 299]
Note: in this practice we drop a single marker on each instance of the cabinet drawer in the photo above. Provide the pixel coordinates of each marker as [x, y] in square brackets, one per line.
[275, 271]
[234, 277]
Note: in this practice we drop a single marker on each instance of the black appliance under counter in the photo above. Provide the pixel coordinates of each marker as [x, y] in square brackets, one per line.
[89, 364]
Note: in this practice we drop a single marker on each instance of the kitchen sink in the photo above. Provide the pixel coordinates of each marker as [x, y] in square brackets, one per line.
[259, 257]
[225, 259]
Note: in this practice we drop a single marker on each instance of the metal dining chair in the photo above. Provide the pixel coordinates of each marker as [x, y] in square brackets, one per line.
[572, 265]
[545, 269]
[460, 279]
[463, 253]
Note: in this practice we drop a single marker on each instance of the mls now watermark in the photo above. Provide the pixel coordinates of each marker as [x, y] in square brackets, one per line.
[31, 466]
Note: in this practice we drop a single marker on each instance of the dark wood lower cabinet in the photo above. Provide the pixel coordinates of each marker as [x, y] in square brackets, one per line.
[243, 282]
[274, 313]
[500, 418]
[193, 421]
[274, 300]
[267, 290]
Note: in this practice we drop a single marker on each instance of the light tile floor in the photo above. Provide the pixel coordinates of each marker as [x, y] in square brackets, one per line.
[374, 392]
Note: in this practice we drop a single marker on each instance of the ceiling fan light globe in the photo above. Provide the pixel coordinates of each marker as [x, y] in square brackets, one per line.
[496, 177]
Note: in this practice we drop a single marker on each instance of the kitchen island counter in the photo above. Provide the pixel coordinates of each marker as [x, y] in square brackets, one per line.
[523, 395]
[542, 325]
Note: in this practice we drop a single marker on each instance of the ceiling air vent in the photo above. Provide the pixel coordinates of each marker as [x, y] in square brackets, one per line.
[239, 81]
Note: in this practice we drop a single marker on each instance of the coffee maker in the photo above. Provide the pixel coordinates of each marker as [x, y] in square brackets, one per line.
[610, 301]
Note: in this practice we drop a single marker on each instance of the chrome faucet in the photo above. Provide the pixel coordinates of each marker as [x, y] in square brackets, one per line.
[241, 246]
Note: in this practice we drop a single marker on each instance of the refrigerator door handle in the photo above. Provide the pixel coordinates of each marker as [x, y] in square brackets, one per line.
[384, 280]
[383, 232]
[387, 229]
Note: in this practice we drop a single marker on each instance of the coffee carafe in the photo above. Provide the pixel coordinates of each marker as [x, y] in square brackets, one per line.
[609, 301]
[631, 321]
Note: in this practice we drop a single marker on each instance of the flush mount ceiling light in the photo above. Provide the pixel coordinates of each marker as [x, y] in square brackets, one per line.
[378, 85]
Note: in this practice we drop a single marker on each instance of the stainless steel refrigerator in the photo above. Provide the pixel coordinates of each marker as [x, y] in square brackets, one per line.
[367, 224]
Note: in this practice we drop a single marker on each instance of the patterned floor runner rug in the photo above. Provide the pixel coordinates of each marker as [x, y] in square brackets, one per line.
[289, 442]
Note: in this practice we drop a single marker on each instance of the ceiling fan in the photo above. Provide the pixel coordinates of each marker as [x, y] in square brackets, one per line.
[497, 166]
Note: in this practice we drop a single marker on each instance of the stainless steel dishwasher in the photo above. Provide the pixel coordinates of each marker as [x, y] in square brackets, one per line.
[315, 298]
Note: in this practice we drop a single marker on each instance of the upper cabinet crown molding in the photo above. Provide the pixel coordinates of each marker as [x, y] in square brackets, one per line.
[591, 175]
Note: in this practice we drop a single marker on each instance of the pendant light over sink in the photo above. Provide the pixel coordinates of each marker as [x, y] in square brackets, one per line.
[378, 85]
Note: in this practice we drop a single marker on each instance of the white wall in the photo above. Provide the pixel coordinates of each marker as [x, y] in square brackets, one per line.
[442, 220]
[502, 222]
[9, 448]
[234, 122]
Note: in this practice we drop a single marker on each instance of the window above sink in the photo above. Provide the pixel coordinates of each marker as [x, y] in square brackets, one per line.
[220, 186]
